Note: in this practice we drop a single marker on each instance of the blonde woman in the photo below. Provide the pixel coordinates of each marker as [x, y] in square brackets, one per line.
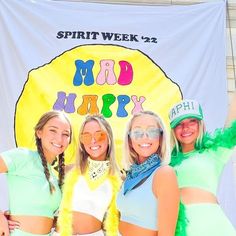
[88, 205]
[149, 198]
[198, 159]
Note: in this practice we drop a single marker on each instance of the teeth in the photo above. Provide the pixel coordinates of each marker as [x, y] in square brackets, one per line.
[145, 145]
[186, 135]
[57, 145]
[94, 148]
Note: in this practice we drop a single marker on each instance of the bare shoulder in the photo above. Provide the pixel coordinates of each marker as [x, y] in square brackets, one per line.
[165, 175]
[164, 171]
[164, 181]
[3, 167]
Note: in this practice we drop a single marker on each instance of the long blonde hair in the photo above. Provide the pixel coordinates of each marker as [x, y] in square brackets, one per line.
[82, 155]
[130, 156]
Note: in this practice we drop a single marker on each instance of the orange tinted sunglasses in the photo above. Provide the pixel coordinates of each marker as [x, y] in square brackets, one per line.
[86, 138]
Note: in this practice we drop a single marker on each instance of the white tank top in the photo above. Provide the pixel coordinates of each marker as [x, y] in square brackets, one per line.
[93, 202]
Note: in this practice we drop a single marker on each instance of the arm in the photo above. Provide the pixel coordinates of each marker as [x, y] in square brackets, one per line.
[4, 230]
[3, 167]
[3, 201]
[165, 188]
[6, 225]
[3, 188]
[3, 193]
[232, 110]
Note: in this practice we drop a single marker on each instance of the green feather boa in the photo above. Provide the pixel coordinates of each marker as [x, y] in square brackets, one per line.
[182, 222]
[220, 138]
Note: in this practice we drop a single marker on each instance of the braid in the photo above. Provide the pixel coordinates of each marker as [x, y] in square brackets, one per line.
[61, 169]
[44, 163]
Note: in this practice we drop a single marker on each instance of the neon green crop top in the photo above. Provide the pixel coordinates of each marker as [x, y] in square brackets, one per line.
[202, 170]
[29, 192]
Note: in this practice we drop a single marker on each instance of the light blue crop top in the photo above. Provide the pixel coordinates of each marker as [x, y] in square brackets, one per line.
[29, 192]
[139, 206]
[202, 170]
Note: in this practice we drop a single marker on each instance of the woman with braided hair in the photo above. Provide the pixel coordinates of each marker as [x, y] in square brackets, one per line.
[34, 192]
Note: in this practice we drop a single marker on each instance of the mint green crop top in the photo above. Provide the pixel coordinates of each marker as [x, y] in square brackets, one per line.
[29, 192]
[202, 170]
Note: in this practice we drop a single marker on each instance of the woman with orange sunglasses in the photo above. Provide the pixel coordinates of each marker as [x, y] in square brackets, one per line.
[88, 204]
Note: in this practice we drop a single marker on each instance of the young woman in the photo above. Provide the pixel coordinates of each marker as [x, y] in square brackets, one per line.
[149, 198]
[34, 192]
[198, 159]
[88, 205]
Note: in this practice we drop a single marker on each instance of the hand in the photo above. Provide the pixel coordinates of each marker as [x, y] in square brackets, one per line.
[12, 225]
[4, 230]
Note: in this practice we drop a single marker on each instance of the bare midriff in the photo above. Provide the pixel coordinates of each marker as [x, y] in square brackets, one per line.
[127, 229]
[33, 224]
[196, 195]
[84, 223]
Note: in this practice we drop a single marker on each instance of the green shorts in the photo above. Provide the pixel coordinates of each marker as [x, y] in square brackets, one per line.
[206, 219]
[18, 232]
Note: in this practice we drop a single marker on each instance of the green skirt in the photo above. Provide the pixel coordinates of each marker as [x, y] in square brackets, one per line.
[204, 219]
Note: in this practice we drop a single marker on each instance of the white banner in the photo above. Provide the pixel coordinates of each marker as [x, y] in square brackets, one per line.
[55, 54]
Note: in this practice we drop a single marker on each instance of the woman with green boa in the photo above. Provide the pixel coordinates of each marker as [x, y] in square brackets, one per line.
[88, 203]
[198, 159]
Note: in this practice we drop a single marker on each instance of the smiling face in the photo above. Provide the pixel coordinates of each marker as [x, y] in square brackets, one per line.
[95, 141]
[55, 137]
[187, 132]
[147, 143]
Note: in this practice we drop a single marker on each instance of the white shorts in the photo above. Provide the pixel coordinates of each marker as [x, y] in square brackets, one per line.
[98, 233]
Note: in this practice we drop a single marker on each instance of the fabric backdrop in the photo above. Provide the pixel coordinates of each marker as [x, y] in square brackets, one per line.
[113, 59]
